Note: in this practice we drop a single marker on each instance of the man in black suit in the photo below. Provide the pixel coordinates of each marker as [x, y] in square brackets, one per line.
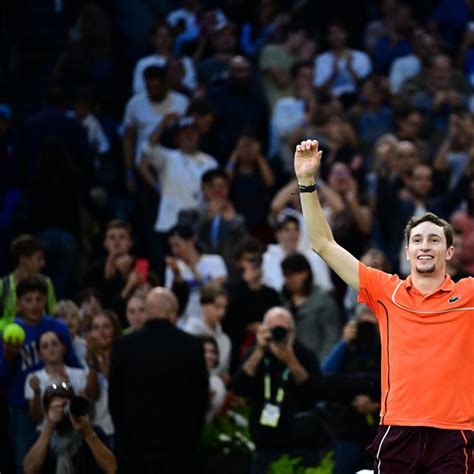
[158, 392]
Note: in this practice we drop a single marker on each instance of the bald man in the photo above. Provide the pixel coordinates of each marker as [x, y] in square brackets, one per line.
[158, 392]
[279, 377]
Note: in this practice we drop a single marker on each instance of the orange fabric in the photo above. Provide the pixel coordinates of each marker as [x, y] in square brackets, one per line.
[427, 350]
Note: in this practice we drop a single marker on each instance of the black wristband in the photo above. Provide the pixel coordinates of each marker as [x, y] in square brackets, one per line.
[307, 189]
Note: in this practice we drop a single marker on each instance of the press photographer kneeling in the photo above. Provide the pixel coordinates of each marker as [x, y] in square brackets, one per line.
[68, 443]
[278, 378]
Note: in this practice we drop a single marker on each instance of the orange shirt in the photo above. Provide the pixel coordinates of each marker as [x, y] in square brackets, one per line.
[427, 350]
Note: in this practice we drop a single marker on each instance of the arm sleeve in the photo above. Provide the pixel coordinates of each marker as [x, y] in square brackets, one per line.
[332, 364]
[29, 394]
[370, 283]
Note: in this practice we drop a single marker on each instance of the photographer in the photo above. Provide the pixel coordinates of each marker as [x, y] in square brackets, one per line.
[278, 377]
[68, 442]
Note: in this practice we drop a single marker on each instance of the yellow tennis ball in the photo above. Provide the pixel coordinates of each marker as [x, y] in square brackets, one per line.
[14, 334]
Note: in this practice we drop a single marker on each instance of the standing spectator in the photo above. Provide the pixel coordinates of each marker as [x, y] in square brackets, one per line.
[162, 39]
[278, 377]
[68, 311]
[315, 312]
[135, 312]
[214, 300]
[189, 265]
[144, 112]
[158, 392]
[109, 275]
[178, 174]
[27, 257]
[239, 93]
[105, 329]
[17, 361]
[51, 350]
[249, 298]
[340, 69]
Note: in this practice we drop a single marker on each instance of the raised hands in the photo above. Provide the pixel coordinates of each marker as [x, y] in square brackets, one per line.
[306, 162]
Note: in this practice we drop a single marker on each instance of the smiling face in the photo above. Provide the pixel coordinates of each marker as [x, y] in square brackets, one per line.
[102, 331]
[427, 249]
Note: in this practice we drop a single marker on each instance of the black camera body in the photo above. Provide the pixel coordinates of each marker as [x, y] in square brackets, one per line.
[78, 406]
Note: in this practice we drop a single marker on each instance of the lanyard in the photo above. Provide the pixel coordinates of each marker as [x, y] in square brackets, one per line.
[267, 384]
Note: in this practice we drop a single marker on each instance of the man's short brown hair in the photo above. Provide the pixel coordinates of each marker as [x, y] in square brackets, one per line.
[24, 245]
[119, 224]
[210, 292]
[430, 217]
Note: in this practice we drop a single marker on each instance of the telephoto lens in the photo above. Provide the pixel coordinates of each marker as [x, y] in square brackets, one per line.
[77, 407]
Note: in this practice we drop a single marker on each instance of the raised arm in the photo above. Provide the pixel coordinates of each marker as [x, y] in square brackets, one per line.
[307, 160]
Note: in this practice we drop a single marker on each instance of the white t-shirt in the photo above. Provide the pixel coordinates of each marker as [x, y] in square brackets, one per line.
[180, 180]
[209, 268]
[273, 276]
[198, 327]
[102, 416]
[402, 69]
[189, 79]
[144, 115]
[323, 68]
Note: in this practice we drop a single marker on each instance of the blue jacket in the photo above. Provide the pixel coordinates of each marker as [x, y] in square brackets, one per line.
[13, 373]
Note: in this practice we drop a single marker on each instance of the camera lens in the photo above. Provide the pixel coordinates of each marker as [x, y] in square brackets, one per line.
[79, 406]
[279, 333]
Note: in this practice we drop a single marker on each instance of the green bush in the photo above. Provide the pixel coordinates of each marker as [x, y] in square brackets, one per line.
[287, 465]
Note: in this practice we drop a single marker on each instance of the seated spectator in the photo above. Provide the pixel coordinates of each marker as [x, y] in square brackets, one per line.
[409, 128]
[340, 69]
[315, 312]
[105, 329]
[27, 257]
[109, 275]
[217, 390]
[17, 361]
[214, 300]
[249, 298]
[218, 226]
[354, 423]
[68, 443]
[188, 264]
[287, 233]
[454, 267]
[67, 311]
[162, 40]
[51, 350]
[135, 312]
[251, 179]
[278, 376]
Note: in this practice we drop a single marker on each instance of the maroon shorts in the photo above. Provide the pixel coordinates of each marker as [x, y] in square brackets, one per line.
[420, 450]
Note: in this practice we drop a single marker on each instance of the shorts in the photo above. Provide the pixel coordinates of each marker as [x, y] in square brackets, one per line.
[421, 450]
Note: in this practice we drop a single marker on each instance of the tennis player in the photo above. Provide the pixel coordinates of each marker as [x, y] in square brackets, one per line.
[427, 335]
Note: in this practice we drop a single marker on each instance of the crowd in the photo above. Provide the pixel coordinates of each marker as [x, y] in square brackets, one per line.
[150, 144]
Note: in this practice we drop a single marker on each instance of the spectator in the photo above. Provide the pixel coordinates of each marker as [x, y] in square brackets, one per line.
[178, 173]
[162, 39]
[51, 350]
[143, 363]
[287, 233]
[27, 257]
[109, 275]
[340, 69]
[278, 377]
[358, 352]
[217, 390]
[251, 179]
[240, 93]
[105, 329]
[17, 361]
[315, 312]
[90, 303]
[144, 112]
[68, 444]
[249, 298]
[409, 124]
[135, 312]
[214, 300]
[188, 264]
[67, 311]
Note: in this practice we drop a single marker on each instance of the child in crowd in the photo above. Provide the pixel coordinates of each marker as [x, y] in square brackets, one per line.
[17, 361]
[67, 311]
[135, 312]
[51, 350]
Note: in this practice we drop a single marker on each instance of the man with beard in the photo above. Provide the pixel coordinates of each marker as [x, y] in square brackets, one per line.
[67, 443]
[426, 325]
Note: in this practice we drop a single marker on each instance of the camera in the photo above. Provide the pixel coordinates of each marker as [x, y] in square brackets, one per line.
[78, 406]
[279, 334]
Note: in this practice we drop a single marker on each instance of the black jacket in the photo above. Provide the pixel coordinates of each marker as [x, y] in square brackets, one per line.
[158, 392]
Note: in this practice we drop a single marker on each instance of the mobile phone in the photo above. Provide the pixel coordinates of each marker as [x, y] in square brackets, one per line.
[141, 268]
